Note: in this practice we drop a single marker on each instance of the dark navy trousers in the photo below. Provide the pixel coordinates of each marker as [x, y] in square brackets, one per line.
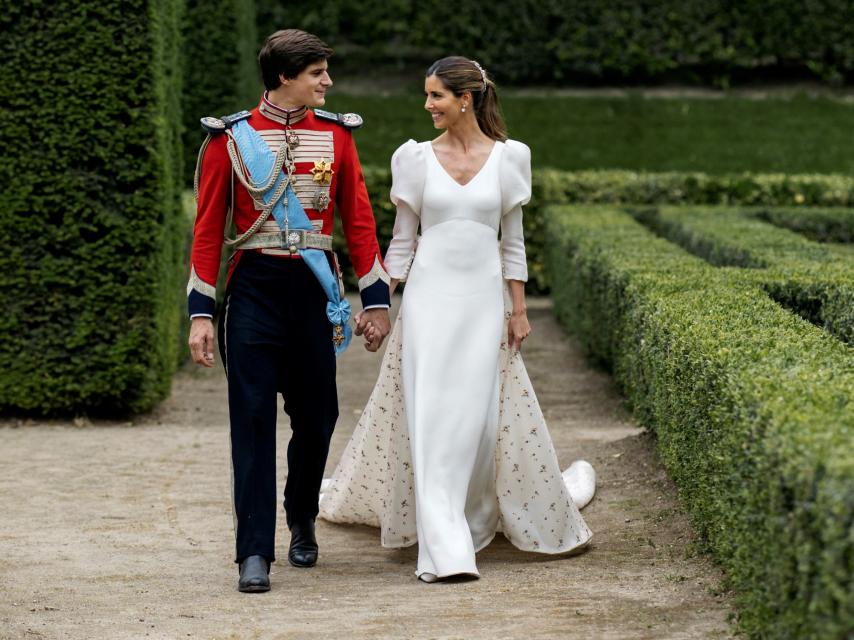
[275, 338]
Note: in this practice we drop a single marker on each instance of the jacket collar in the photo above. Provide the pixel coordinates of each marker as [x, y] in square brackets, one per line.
[282, 116]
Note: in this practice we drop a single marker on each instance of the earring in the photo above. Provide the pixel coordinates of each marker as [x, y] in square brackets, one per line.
[464, 108]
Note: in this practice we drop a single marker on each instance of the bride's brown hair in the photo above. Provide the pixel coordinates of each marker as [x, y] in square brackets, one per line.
[459, 75]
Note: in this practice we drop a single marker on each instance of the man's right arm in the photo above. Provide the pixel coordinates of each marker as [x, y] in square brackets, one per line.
[211, 211]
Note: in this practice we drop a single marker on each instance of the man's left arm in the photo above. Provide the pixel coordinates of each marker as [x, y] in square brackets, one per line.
[357, 218]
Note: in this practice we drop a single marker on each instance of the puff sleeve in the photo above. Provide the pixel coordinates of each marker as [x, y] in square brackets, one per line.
[407, 189]
[515, 191]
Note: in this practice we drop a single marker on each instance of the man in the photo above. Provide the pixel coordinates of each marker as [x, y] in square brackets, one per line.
[282, 321]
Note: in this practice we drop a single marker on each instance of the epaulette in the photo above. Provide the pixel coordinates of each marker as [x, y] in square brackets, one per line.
[219, 125]
[346, 120]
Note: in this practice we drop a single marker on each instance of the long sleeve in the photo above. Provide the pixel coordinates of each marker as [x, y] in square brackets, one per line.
[401, 249]
[515, 192]
[513, 260]
[407, 190]
[211, 212]
[357, 219]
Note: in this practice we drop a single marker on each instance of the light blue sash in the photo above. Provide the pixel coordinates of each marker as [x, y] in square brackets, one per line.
[260, 161]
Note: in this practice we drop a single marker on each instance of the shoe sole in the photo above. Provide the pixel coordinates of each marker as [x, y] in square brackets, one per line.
[301, 566]
[255, 588]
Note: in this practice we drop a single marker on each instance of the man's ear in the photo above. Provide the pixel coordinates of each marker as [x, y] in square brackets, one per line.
[285, 81]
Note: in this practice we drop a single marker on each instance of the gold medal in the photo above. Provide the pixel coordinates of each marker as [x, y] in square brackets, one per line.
[338, 335]
[322, 172]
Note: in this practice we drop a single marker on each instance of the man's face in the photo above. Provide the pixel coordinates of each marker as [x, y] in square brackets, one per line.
[310, 86]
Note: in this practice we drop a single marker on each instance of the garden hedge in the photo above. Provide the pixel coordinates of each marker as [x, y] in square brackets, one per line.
[550, 186]
[752, 405]
[91, 223]
[221, 74]
[802, 275]
[535, 41]
[821, 225]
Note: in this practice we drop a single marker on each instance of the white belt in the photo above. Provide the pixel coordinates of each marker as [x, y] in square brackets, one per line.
[295, 240]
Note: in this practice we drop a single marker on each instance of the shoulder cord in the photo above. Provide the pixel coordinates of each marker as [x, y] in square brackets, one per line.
[282, 155]
[198, 170]
[282, 159]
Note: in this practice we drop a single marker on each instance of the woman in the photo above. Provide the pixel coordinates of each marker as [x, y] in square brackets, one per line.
[452, 445]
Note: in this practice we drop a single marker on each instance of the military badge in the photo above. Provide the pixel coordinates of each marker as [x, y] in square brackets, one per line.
[348, 120]
[322, 171]
[218, 125]
[321, 200]
[352, 120]
[212, 125]
[338, 336]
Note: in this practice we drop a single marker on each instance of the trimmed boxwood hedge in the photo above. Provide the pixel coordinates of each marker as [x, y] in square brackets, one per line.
[802, 275]
[90, 223]
[221, 74]
[821, 225]
[532, 41]
[550, 186]
[752, 407]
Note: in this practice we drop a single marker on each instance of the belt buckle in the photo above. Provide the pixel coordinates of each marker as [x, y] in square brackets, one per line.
[293, 240]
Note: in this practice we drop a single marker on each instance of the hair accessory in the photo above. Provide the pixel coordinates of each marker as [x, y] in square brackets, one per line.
[482, 73]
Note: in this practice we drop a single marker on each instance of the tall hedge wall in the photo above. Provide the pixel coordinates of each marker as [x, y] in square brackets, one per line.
[752, 405]
[220, 69]
[90, 222]
[589, 40]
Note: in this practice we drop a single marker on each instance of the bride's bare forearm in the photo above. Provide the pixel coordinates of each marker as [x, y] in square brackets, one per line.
[392, 285]
[517, 294]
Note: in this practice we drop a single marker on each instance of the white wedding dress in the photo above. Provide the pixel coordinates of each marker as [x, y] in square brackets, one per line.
[452, 445]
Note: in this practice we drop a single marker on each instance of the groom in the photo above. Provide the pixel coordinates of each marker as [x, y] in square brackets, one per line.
[283, 319]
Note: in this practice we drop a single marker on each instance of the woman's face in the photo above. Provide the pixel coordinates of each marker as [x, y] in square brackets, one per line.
[445, 108]
[309, 87]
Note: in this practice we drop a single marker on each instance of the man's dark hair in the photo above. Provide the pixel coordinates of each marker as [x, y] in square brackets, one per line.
[289, 52]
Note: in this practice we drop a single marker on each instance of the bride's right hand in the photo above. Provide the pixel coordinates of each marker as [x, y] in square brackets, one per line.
[518, 329]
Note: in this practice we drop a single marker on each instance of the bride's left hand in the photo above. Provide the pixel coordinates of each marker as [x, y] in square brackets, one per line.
[517, 329]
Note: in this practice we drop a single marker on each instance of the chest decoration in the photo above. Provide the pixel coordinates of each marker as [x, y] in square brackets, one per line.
[322, 176]
[312, 153]
[276, 190]
[322, 171]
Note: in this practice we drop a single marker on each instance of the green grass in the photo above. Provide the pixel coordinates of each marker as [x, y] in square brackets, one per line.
[735, 134]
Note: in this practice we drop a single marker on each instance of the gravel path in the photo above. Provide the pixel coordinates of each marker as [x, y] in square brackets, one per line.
[124, 530]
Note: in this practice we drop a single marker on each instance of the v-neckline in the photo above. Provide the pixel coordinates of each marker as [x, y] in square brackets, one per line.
[474, 177]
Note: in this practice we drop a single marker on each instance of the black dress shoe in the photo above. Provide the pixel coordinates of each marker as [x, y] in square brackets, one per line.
[303, 549]
[254, 575]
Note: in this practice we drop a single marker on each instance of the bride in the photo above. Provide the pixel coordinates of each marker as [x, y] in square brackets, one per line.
[452, 445]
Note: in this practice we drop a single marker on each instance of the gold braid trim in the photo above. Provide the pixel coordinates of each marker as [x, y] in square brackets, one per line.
[198, 172]
[282, 156]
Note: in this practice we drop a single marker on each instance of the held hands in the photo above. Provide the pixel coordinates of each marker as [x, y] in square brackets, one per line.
[375, 325]
[202, 341]
[517, 329]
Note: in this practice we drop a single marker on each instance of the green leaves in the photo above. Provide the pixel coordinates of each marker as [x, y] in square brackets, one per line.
[542, 41]
[93, 270]
[752, 405]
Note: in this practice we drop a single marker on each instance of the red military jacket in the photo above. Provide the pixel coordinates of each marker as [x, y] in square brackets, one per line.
[320, 141]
